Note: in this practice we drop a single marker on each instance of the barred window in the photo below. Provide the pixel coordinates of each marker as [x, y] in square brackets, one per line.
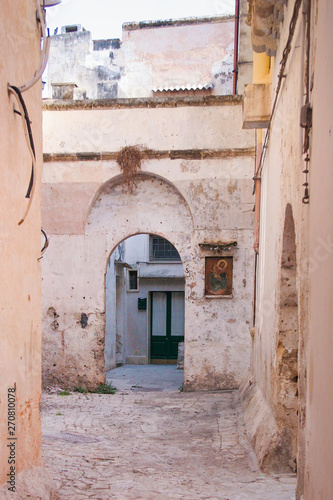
[162, 249]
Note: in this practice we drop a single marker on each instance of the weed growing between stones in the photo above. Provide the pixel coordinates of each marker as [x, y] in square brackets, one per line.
[100, 389]
[65, 392]
[105, 389]
[129, 160]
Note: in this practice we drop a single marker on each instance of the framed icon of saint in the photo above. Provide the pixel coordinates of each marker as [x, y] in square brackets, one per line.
[218, 276]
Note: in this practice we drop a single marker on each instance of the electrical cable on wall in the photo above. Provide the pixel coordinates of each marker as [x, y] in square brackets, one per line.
[45, 50]
[17, 93]
[46, 243]
[30, 143]
[306, 111]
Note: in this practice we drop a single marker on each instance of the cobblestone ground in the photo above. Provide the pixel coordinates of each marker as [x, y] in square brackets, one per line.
[151, 377]
[153, 446]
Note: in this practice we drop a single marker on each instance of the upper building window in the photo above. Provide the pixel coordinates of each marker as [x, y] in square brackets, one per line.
[71, 28]
[132, 280]
[162, 249]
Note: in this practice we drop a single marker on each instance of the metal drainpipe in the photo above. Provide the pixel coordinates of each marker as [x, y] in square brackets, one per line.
[256, 225]
[257, 202]
[236, 37]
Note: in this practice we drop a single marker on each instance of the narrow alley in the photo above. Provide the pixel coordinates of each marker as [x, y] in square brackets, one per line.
[152, 441]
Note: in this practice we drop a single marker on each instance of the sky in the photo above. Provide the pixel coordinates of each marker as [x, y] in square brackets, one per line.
[104, 18]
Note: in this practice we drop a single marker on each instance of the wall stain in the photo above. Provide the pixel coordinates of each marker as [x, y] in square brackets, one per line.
[84, 320]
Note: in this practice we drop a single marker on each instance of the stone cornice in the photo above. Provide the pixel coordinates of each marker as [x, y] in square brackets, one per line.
[149, 102]
[175, 22]
[265, 17]
[151, 154]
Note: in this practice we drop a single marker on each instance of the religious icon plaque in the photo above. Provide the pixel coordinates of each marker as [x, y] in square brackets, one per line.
[218, 276]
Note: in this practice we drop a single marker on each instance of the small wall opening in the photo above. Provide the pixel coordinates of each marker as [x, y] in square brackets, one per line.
[286, 370]
[144, 299]
[133, 281]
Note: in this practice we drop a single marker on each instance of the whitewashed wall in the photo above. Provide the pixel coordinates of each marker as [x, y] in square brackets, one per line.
[186, 200]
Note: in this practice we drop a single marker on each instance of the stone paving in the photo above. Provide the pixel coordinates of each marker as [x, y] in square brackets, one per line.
[146, 378]
[153, 446]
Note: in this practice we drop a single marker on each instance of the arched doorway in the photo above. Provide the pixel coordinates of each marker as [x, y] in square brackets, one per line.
[155, 207]
[144, 297]
[286, 369]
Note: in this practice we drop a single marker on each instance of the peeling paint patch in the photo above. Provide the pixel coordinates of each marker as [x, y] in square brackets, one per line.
[55, 325]
[52, 312]
[232, 187]
[84, 320]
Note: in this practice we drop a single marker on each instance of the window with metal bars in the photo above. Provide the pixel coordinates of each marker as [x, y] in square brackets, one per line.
[162, 249]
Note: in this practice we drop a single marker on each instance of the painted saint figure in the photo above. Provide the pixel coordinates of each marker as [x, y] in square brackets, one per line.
[218, 278]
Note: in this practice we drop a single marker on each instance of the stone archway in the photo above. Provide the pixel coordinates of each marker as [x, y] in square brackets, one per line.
[74, 272]
[144, 306]
[155, 207]
[286, 359]
[194, 199]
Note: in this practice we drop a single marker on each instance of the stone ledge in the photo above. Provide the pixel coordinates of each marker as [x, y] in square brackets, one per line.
[256, 105]
[137, 360]
[176, 22]
[141, 102]
[262, 428]
[150, 154]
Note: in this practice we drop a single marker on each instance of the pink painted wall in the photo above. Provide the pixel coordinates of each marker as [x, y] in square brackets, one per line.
[319, 452]
[20, 247]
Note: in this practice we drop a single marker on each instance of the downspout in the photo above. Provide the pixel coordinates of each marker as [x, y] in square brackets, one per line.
[257, 202]
[261, 74]
[236, 39]
[257, 187]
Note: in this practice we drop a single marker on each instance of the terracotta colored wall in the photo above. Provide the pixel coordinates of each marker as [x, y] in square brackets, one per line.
[20, 270]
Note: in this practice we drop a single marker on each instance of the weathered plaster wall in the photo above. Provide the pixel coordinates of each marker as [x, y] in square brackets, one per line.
[278, 379]
[160, 125]
[93, 65]
[174, 54]
[112, 280]
[20, 290]
[152, 55]
[202, 195]
[245, 54]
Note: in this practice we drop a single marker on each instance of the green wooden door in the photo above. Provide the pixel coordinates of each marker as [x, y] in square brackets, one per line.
[167, 324]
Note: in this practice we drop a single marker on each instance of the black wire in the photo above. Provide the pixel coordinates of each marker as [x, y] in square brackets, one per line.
[27, 119]
[46, 243]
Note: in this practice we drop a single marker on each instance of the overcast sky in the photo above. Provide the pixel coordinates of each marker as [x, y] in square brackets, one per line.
[105, 17]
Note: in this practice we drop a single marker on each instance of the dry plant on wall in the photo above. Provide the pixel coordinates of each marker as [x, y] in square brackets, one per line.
[129, 160]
